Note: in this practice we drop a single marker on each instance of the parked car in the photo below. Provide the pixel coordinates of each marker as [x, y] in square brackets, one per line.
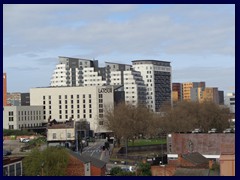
[213, 130]
[197, 131]
[228, 130]
[25, 140]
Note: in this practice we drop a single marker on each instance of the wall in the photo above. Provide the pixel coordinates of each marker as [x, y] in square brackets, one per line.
[75, 167]
[97, 171]
[227, 165]
[167, 170]
[204, 143]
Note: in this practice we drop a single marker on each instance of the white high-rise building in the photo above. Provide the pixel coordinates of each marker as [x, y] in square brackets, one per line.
[157, 79]
[70, 71]
[146, 82]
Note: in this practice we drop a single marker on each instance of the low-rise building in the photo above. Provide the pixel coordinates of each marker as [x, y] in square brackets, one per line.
[209, 145]
[12, 166]
[20, 117]
[84, 165]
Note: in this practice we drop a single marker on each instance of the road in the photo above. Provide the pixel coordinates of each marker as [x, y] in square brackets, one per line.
[95, 150]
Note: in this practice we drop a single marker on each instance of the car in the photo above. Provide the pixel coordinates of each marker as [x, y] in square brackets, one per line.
[196, 131]
[213, 130]
[25, 140]
[228, 130]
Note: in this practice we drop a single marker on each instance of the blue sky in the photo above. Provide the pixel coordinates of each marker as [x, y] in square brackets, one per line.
[198, 40]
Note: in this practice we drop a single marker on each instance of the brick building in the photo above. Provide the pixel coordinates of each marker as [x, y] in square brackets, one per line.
[84, 165]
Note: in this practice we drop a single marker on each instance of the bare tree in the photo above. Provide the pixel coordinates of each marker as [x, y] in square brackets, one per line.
[186, 116]
[127, 121]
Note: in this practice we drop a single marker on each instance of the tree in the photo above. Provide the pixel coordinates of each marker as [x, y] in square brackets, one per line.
[144, 169]
[186, 116]
[127, 121]
[49, 162]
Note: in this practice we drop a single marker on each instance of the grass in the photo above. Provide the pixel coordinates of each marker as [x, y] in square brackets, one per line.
[144, 142]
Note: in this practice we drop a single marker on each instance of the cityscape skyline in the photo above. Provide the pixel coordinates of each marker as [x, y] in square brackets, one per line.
[198, 40]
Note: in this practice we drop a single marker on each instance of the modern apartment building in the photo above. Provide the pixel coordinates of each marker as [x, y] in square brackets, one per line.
[157, 79]
[63, 103]
[20, 117]
[176, 92]
[211, 94]
[230, 101]
[4, 89]
[145, 81]
[70, 71]
[186, 89]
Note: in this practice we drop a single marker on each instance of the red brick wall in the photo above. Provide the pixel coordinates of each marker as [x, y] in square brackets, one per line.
[98, 171]
[168, 170]
[75, 167]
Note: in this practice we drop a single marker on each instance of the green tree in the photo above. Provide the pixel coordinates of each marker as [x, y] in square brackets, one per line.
[115, 170]
[49, 162]
[144, 169]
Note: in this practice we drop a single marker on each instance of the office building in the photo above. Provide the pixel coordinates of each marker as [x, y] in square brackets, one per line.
[20, 117]
[63, 103]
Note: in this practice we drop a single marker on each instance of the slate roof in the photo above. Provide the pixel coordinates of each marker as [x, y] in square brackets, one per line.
[85, 159]
[191, 172]
[195, 158]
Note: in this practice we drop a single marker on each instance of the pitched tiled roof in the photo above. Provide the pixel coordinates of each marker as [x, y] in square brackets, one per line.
[85, 159]
[195, 158]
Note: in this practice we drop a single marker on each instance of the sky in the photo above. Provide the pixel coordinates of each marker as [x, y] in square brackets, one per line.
[198, 40]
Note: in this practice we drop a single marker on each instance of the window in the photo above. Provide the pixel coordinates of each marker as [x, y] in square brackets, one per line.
[65, 101]
[10, 113]
[71, 96]
[100, 122]
[84, 96]
[66, 111]
[90, 115]
[49, 97]
[54, 136]
[60, 106]
[89, 96]
[12, 170]
[65, 96]
[59, 96]
[100, 96]
[100, 101]
[100, 110]
[10, 119]
[10, 127]
[68, 135]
